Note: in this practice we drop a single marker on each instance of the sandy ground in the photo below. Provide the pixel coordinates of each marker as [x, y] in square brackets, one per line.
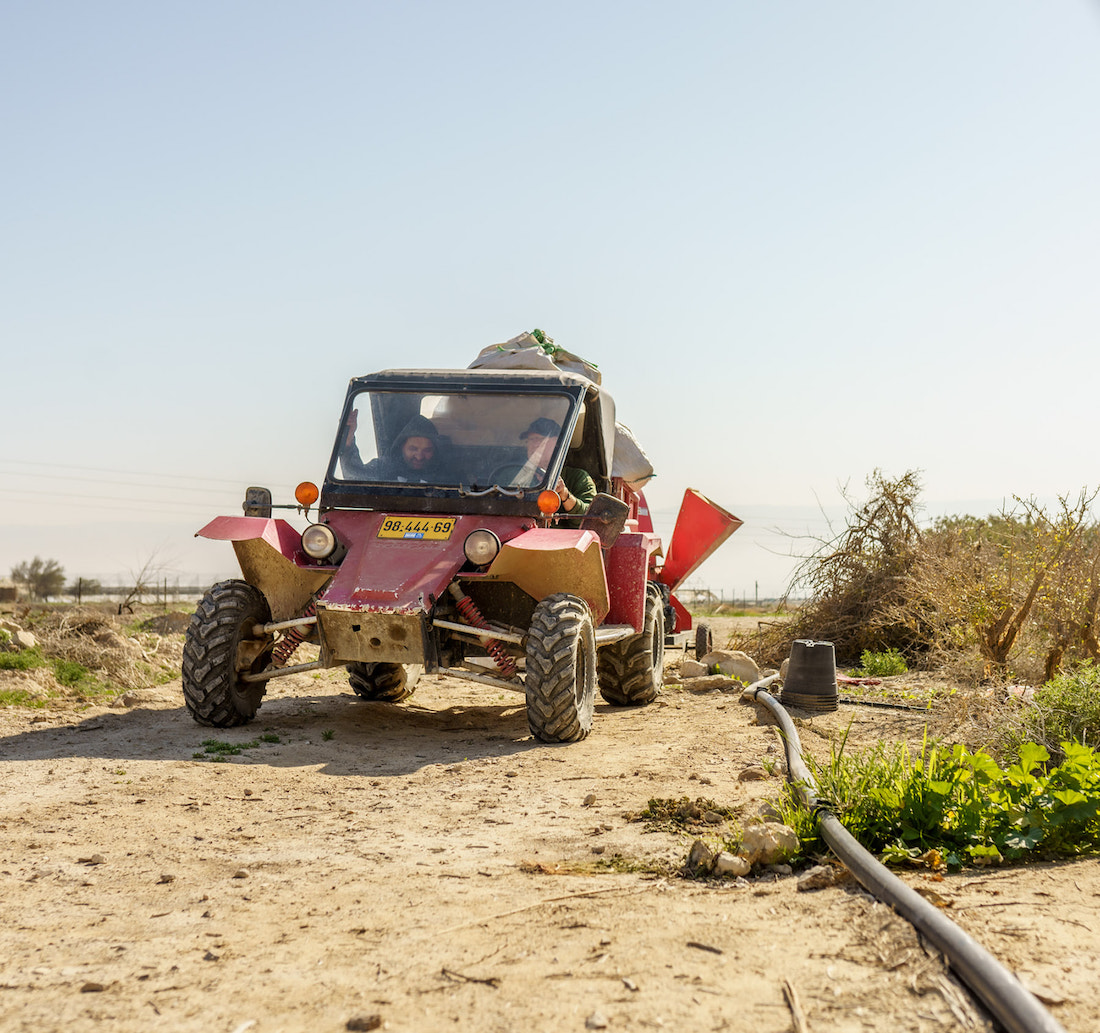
[428, 866]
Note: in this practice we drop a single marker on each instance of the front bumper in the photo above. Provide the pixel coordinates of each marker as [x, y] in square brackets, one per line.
[370, 636]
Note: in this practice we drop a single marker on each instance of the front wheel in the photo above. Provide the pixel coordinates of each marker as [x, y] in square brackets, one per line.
[220, 646]
[560, 680]
[632, 671]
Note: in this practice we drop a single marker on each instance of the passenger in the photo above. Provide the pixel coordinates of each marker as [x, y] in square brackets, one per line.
[413, 457]
[575, 487]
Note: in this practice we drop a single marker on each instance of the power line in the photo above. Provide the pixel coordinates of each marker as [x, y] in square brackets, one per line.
[125, 473]
[133, 505]
[124, 484]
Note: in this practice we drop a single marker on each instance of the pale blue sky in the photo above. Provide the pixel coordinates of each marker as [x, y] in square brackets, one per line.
[802, 241]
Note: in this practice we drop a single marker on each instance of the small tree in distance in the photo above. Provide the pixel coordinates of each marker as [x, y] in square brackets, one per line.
[41, 578]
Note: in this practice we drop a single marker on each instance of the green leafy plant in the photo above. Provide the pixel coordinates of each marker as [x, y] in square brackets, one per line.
[949, 807]
[327, 734]
[881, 664]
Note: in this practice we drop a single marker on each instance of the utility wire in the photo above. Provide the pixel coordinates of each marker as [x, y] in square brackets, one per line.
[130, 504]
[126, 484]
[104, 469]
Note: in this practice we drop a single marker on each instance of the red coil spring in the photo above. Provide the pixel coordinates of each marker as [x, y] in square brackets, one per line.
[468, 608]
[284, 650]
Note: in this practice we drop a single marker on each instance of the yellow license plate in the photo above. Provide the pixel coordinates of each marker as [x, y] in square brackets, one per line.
[435, 529]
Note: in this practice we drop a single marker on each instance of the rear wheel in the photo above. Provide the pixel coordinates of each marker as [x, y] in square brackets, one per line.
[632, 671]
[704, 641]
[560, 679]
[383, 682]
[221, 646]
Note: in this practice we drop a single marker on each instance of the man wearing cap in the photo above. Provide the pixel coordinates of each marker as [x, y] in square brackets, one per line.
[575, 488]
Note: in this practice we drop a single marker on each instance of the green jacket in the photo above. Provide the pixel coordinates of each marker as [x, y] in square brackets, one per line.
[581, 487]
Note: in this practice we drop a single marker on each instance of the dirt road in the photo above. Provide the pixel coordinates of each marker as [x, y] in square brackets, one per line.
[428, 866]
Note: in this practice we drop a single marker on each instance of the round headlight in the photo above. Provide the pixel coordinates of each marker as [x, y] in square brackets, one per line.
[318, 541]
[481, 547]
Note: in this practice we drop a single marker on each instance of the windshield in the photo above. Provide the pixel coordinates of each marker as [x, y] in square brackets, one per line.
[472, 439]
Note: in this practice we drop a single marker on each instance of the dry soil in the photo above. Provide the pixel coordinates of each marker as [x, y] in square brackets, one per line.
[429, 866]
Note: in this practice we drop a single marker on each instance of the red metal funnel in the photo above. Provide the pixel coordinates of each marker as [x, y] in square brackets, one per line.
[701, 527]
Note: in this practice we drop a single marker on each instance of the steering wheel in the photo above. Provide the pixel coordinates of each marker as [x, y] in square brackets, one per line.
[505, 473]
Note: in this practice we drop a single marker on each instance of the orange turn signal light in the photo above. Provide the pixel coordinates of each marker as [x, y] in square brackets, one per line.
[306, 493]
[549, 502]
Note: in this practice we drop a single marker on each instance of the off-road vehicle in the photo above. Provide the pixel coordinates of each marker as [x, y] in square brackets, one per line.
[459, 560]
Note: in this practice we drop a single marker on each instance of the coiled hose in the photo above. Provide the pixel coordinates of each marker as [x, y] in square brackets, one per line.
[999, 990]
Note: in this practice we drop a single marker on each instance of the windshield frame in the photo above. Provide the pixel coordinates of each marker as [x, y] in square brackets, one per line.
[343, 493]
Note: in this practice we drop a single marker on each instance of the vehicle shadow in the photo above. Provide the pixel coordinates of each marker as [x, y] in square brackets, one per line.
[339, 734]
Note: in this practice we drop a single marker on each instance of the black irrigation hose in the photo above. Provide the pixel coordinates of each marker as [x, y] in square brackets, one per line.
[881, 704]
[999, 990]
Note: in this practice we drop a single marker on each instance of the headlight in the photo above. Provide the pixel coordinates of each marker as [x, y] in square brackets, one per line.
[481, 547]
[318, 541]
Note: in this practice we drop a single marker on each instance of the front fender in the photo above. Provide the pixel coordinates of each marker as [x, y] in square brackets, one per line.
[267, 550]
[546, 560]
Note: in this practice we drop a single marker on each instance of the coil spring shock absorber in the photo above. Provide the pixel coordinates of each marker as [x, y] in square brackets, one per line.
[284, 650]
[468, 608]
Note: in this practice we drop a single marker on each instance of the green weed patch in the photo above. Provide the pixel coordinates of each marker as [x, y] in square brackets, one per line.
[25, 660]
[20, 698]
[952, 808]
[1065, 709]
[218, 749]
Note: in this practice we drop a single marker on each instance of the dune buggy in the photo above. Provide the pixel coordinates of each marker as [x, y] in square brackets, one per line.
[459, 560]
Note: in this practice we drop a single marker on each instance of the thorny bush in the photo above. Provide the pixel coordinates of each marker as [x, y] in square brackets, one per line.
[1011, 595]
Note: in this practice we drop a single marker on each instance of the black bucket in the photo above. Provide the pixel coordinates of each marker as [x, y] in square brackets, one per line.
[811, 677]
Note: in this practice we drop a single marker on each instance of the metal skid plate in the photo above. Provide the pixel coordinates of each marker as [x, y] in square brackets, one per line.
[370, 636]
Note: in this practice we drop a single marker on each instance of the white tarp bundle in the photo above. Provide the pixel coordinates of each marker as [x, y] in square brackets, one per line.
[629, 461]
[526, 351]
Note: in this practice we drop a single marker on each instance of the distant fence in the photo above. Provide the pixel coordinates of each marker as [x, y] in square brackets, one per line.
[87, 591]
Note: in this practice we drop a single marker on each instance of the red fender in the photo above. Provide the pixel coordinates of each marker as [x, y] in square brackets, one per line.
[277, 533]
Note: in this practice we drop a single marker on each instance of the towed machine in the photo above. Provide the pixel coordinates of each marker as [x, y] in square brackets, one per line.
[467, 565]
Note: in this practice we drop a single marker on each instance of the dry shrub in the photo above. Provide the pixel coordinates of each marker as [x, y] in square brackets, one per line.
[858, 581]
[98, 642]
[1018, 591]
[1007, 597]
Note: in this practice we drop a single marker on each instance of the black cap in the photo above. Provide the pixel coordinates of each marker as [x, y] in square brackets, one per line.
[544, 427]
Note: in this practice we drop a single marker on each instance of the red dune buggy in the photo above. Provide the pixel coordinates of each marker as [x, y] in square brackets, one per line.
[440, 546]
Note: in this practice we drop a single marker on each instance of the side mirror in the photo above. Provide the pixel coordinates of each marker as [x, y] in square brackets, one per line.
[257, 502]
[607, 517]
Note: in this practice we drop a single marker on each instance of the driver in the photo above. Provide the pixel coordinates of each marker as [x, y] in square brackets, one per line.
[575, 487]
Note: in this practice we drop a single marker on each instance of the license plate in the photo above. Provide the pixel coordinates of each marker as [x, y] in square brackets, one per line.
[435, 529]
